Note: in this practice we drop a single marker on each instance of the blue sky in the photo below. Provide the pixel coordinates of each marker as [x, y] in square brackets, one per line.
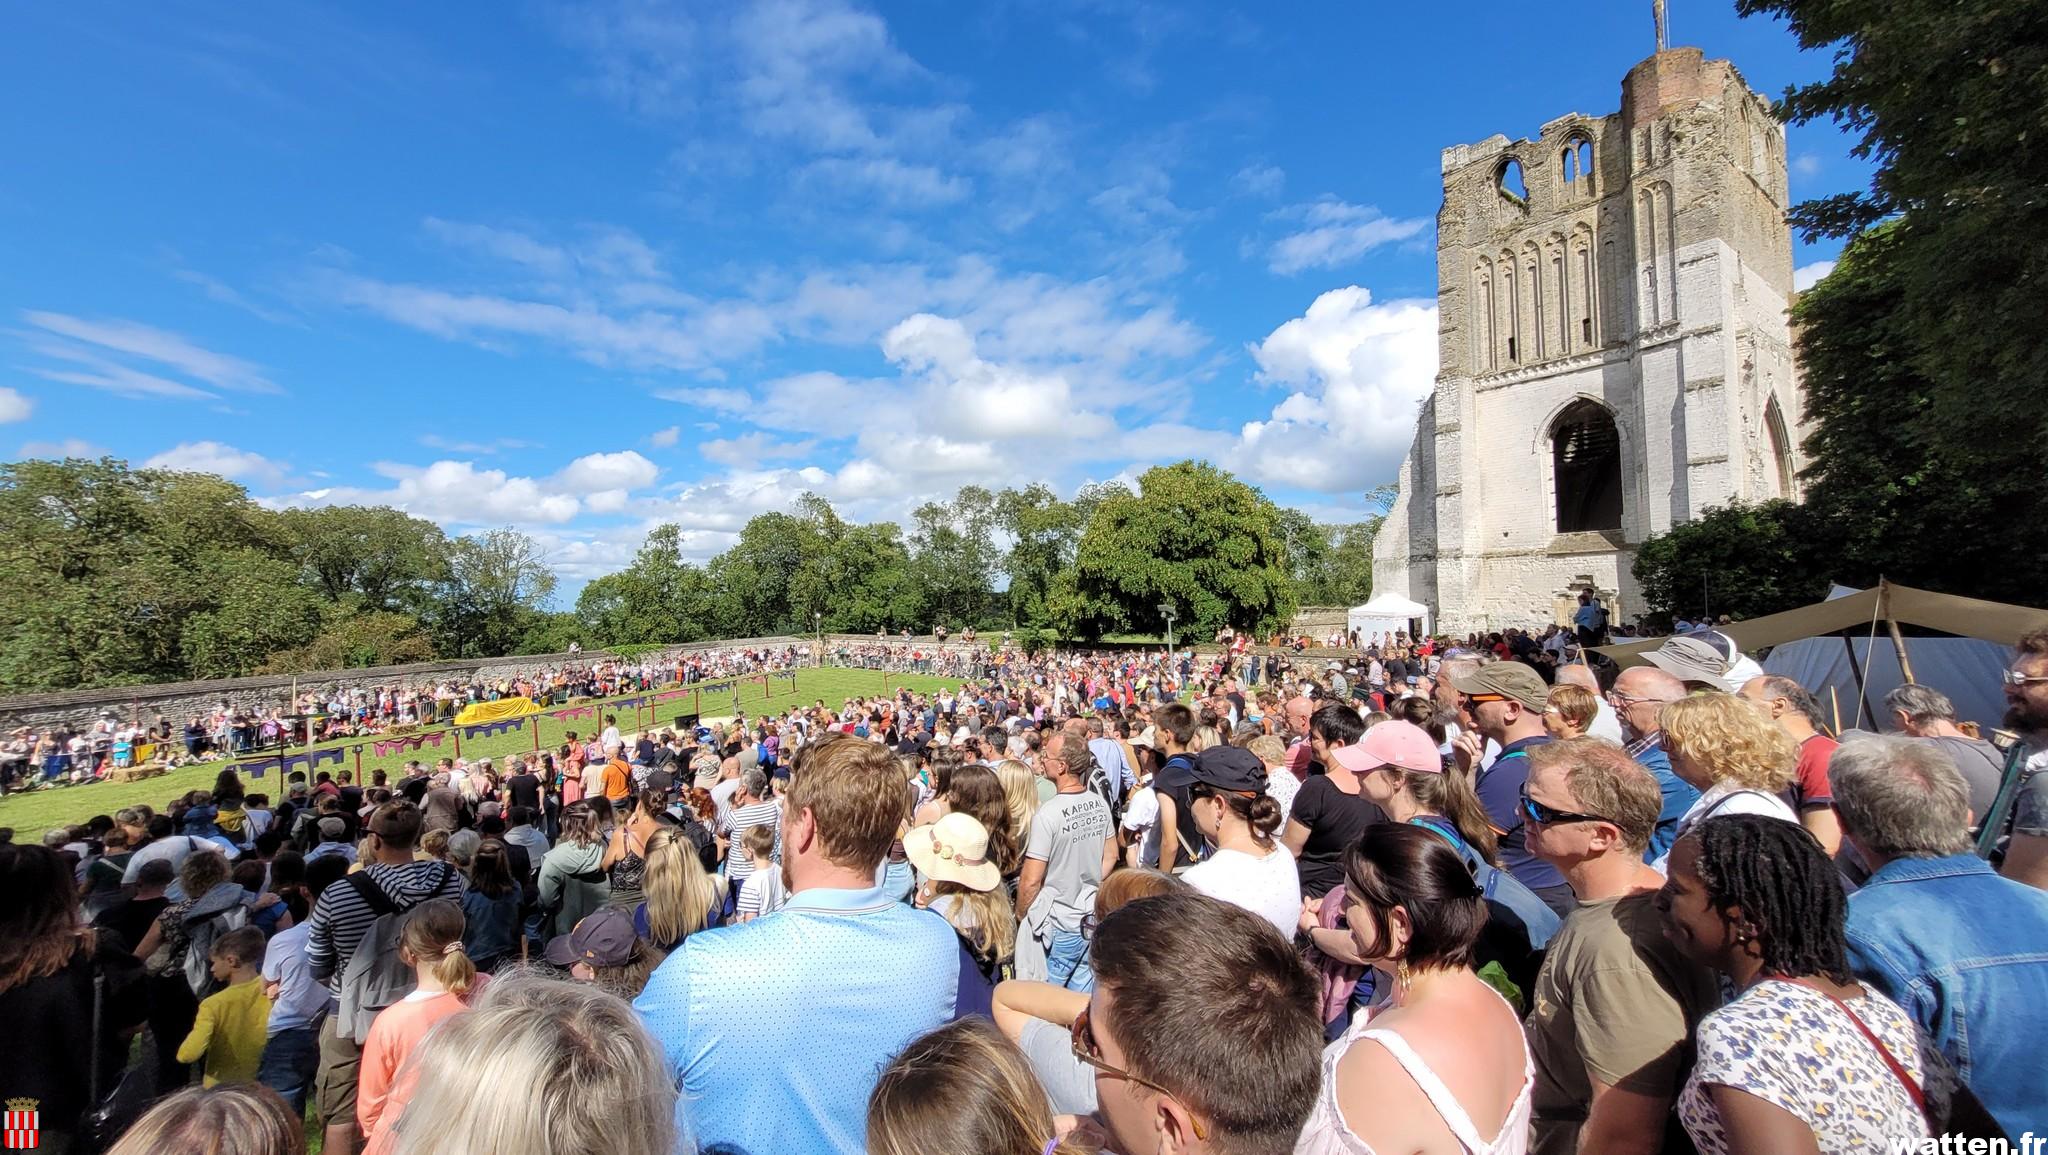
[584, 268]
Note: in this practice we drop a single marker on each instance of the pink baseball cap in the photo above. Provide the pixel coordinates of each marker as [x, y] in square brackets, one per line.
[1402, 745]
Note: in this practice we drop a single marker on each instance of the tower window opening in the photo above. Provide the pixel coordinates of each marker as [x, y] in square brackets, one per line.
[1509, 181]
[1586, 461]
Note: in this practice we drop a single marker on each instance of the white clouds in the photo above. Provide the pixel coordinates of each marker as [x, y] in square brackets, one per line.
[69, 447]
[105, 354]
[1259, 180]
[225, 460]
[1806, 276]
[14, 407]
[964, 393]
[751, 449]
[1331, 232]
[1358, 371]
[665, 438]
[633, 340]
[457, 493]
[1806, 165]
[599, 472]
[485, 448]
[890, 180]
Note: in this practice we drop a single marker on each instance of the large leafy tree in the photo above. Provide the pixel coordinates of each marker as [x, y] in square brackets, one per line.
[659, 599]
[382, 556]
[117, 576]
[953, 556]
[1193, 537]
[1924, 353]
[1044, 532]
[496, 581]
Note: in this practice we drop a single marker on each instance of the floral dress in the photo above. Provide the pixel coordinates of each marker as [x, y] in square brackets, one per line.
[1792, 1047]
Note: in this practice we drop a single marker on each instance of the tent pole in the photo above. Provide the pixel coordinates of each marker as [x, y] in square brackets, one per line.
[1899, 647]
[1862, 693]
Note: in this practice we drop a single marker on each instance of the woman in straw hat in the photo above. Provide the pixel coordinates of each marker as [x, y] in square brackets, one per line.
[964, 885]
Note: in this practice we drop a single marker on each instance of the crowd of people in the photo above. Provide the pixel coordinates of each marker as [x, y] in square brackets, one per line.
[1428, 897]
[29, 757]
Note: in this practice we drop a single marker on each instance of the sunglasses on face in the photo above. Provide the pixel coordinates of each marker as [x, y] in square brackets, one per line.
[1086, 1050]
[1542, 815]
[2015, 678]
[1468, 701]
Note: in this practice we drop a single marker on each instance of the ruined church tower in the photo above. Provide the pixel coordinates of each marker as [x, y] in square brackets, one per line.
[1614, 351]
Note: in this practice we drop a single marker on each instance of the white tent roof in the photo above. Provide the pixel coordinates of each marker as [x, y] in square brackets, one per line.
[1391, 605]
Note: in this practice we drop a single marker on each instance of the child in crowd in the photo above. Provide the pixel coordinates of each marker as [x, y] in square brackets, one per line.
[233, 1023]
[430, 942]
[762, 892]
[604, 950]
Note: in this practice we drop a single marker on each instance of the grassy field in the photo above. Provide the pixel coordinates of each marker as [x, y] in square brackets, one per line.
[36, 811]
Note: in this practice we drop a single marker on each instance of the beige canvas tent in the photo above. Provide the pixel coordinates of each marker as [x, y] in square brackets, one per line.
[1884, 606]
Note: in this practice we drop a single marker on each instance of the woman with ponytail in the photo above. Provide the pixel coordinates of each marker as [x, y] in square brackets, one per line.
[682, 897]
[430, 942]
[1250, 868]
[1400, 771]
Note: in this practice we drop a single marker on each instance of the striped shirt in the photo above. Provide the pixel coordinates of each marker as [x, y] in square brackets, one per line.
[341, 918]
[739, 866]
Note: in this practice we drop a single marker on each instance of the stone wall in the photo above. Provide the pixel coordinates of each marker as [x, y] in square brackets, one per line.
[180, 700]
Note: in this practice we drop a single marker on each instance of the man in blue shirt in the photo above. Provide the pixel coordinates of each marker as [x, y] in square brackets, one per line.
[1961, 950]
[1505, 702]
[777, 1028]
[1639, 697]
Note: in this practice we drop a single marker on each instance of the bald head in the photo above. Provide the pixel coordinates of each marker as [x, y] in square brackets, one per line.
[1649, 682]
[1574, 674]
[1641, 693]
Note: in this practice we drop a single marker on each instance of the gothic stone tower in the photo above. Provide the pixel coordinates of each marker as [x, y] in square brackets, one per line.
[1614, 350]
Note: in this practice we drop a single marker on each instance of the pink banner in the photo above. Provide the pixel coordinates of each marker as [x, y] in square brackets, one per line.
[400, 745]
[574, 712]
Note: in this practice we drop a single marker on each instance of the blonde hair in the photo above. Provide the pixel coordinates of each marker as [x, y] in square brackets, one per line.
[984, 918]
[680, 892]
[231, 1119]
[1730, 740]
[962, 1087]
[759, 839]
[1205, 737]
[1575, 704]
[1020, 793]
[434, 844]
[541, 1067]
[432, 936]
[1268, 748]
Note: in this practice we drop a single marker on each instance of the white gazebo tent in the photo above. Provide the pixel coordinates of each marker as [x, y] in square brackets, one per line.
[1386, 614]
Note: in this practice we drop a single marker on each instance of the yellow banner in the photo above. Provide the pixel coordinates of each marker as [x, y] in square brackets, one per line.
[496, 711]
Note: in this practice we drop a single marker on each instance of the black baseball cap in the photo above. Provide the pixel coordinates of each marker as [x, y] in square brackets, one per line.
[1232, 768]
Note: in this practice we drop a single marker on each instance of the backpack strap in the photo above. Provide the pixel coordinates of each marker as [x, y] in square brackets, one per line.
[373, 896]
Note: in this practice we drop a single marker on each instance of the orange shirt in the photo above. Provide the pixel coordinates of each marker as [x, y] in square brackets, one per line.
[618, 779]
[394, 1033]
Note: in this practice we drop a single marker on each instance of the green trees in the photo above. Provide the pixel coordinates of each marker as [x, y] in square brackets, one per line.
[116, 576]
[496, 580]
[1923, 351]
[1193, 537]
[121, 576]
